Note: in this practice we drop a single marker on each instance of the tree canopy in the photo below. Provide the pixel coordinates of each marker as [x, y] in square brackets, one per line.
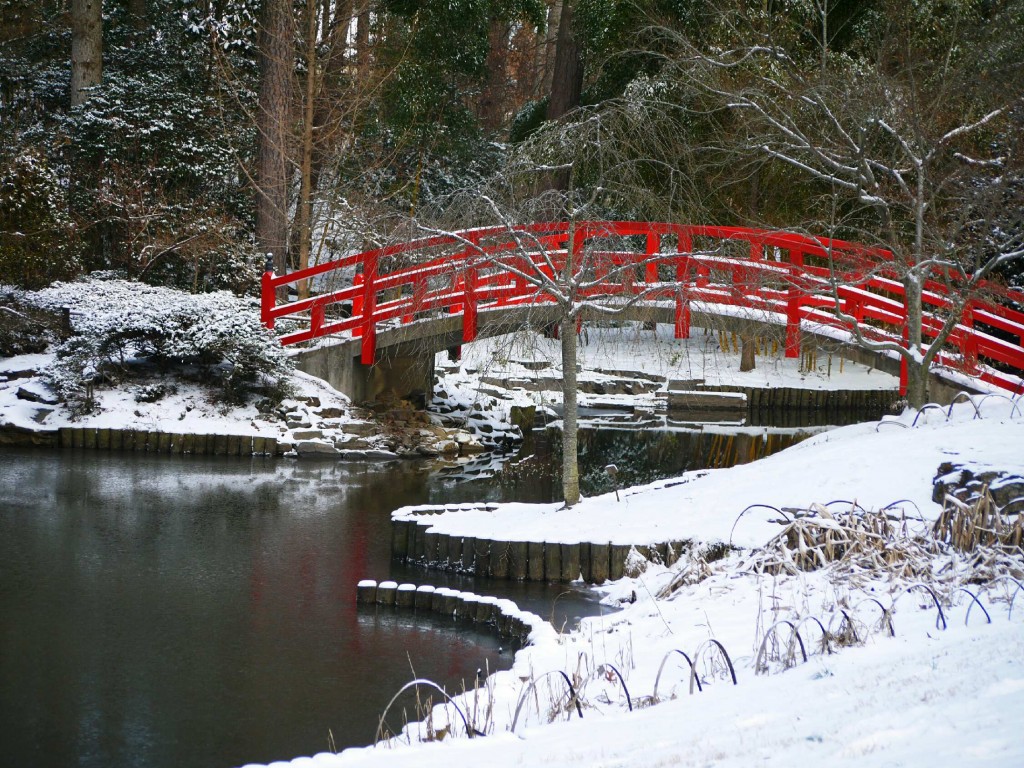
[794, 113]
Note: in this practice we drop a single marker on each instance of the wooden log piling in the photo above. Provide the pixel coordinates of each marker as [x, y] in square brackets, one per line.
[366, 592]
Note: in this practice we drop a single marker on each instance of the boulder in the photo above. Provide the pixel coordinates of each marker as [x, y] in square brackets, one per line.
[315, 448]
[37, 392]
[377, 453]
[353, 443]
[329, 412]
[297, 420]
[360, 428]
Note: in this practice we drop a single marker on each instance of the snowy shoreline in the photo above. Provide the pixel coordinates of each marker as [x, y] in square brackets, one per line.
[878, 700]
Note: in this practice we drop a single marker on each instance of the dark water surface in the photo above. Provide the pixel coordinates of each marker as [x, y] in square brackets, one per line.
[194, 611]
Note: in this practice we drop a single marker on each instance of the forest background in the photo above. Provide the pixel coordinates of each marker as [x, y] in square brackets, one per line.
[180, 141]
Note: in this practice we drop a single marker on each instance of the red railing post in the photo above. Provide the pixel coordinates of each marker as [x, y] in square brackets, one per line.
[579, 237]
[969, 343]
[653, 248]
[357, 305]
[904, 367]
[856, 308]
[268, 299]
[369, 350]
[796, 262]
[748, 274]
[684, 247]
[458, 286]
[469, 304]
[682, 326]
[316, 318]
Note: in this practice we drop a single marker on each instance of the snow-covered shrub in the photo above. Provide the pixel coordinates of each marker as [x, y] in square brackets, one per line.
[121, 326]
[154, 393]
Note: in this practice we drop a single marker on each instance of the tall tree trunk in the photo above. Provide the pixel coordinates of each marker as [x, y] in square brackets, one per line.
[566, 87]
[304, 223]
[748, 350]
[570, 423]
[272, 123]
[363, 40]
[917, 372]
[547, 50]
[333, 94]
[570, 343]
[86, 48]
[917, 384]
[493, 101]
[567, 79]
[337, 39]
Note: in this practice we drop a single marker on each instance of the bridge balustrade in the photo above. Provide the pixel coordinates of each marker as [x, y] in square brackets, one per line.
[786, 277]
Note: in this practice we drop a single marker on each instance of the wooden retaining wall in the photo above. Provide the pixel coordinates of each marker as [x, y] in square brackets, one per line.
[795, 398]
[594, 562]
[92, 438]
[478, 611]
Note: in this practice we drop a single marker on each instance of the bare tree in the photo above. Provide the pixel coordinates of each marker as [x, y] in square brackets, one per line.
[905, 149]
[570, 280]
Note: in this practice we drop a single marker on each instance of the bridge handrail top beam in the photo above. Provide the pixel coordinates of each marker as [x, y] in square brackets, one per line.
[595, 229]
[590, 229]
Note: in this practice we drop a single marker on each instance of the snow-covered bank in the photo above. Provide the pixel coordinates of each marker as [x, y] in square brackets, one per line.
[918, 694]
[707, 357]
[871, 464]
[105, 353]
[937, 699]
[314, 420]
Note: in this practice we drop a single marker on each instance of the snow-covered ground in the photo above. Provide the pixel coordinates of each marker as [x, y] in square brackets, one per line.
[930, 698]
[608, 354]
[926, 696]
[185, 409]
[701, 358]
[611, 355]
[315, 419]
[873, 464]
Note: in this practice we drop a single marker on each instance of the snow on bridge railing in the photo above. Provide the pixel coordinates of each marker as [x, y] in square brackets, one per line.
[792, 277]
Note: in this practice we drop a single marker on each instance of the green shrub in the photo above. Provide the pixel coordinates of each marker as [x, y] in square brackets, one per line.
[38, 243]
[24, 328]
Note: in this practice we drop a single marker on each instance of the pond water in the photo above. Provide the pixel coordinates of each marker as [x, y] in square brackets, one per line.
[200, 611]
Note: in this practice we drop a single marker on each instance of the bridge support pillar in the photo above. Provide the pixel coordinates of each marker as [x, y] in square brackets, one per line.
[682, 324]
[408, 377]
[793, 339]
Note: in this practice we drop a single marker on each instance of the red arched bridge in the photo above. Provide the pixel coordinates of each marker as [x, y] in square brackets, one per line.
[450, 285]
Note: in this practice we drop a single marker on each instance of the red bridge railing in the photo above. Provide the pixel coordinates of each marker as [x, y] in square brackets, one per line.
[790, 277]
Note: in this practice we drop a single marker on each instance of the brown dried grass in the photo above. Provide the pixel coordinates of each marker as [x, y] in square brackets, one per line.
[861, 544]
